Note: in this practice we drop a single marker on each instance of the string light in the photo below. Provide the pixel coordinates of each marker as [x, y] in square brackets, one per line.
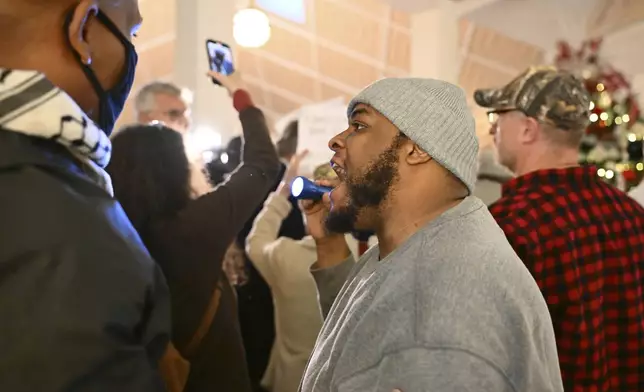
[604, 100]
[632, 138]
[594, 117]
[626, 118]
[600, 87]
[604, 116]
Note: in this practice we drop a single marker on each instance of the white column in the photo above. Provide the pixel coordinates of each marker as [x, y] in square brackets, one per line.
[198, 20]
[435, 52]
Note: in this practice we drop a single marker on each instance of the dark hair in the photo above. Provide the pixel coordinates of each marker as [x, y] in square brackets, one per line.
[150, 173]
[286, 146]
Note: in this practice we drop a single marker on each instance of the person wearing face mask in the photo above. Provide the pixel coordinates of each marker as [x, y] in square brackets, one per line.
[83, 305]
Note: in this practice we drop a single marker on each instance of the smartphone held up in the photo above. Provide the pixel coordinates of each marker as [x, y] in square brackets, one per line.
[220, 58]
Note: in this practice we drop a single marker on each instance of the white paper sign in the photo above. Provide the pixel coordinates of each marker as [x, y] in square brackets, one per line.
[317, 125]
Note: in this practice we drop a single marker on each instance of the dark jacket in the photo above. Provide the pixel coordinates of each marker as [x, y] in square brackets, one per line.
[190, 249]
[83, 307]
[256, 313]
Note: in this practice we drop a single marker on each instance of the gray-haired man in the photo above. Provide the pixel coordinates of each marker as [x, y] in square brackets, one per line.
[164, 102]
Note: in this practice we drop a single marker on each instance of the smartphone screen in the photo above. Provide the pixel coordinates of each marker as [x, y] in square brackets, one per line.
[220, 57]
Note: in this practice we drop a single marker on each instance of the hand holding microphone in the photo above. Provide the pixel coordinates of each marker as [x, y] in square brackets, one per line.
[304, 189]
[315, 203]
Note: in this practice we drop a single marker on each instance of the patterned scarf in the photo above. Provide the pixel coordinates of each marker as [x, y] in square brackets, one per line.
[32, 105]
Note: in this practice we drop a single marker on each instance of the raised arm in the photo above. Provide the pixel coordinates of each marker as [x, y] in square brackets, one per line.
[215, 218]
[266, 227]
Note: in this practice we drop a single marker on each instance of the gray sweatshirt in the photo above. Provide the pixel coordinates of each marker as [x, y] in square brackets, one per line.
[451, 309]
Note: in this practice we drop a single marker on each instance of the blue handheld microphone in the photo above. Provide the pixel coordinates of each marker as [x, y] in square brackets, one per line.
[304, 189]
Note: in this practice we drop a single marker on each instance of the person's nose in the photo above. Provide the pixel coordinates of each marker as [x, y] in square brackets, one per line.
[337, 142]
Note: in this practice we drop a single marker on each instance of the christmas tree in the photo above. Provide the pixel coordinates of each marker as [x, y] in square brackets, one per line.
[614, 137]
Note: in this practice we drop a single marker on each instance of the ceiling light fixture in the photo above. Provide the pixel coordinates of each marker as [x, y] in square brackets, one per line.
[251, 28]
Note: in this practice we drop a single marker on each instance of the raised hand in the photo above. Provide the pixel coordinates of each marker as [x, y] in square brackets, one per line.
[292, 171]
[230, 82]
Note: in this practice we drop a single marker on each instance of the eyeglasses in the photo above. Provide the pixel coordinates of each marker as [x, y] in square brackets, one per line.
[493, 115]
[176, 114]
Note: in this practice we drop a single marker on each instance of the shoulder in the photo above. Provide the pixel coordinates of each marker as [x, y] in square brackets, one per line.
[461, 290]
[513, 205]
[517, 215]
[43, 209]
[631, 204]
[483, 302]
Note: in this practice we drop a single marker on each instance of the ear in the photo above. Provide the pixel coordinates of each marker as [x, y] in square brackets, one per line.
[414, 155]
[77, 29]
[531, 130]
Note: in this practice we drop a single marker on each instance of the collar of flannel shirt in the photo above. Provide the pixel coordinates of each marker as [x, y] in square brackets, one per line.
[550, 177]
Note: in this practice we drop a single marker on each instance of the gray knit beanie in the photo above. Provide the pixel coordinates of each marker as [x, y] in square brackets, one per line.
[432, 113]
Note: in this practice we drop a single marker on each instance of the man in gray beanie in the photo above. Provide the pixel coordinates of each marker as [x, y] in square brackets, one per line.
[443, 303]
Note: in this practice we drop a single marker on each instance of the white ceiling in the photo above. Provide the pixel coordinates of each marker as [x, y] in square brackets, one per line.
[538, 22]
[543, 23]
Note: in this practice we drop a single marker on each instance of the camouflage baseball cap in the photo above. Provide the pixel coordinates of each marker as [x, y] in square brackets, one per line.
[544, 93]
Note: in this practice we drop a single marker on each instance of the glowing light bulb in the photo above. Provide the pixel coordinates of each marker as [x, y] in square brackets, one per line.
[251, 28]
[594, 117]
[203, 138]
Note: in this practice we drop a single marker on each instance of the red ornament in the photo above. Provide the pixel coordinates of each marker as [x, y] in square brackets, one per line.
[629, 175]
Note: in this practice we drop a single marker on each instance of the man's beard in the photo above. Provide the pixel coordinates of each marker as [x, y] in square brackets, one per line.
[370, 189]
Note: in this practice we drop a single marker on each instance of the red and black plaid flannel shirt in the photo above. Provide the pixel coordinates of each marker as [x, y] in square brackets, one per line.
[583, 241]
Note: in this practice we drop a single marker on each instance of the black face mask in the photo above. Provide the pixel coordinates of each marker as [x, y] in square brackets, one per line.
[112, 101]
